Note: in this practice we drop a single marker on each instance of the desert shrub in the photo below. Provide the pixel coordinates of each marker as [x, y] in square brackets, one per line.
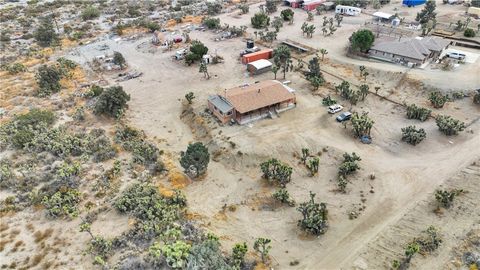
[119, 60]
[412, 135]
[101, 248]
[211, 23]
[430, 241]
[239, 251]
[6, 174]
[99, 146]
[90, 13]
[94, 91]
[260, 20]
[153, 211]
[68, 169]
[14, 68]
[276, 172]
[22, 129]
[414, 112]
[45, 34]
[445, 198]
[207, 255]
[328, 101]
[62, 203]
[362, 124]
[314, 216]
[449, 126]
[175, 254]
[283, 196]
[214, 8]
[79, 114]
[469, 32]
[287, 14]
[48, 80]
[437, 99]
[195, 160]
[245, 8]
[144, 152]
[349, 164]
[112, 102]
[476, 97]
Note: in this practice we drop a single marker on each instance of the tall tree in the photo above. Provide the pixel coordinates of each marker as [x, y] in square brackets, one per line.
[427, 13]
[195, 159]
[362, 40]
[323, 52]
[282, 58]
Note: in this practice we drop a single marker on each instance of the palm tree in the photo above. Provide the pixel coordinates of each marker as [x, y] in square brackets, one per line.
[323, 52]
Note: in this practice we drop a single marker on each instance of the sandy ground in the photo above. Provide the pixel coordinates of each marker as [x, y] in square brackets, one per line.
[405, 175]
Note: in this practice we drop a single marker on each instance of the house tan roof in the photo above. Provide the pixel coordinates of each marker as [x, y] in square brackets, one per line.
[259, 95]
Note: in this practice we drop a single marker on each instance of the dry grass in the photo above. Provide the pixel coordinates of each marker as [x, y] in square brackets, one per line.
[40, 237]
[37, 259]
[3, 227]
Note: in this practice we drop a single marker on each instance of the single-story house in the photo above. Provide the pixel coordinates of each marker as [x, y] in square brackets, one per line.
[251, 102]
[259, 66]
[412, 52]
[293, 3]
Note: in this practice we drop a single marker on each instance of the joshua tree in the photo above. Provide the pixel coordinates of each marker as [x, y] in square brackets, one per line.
[437, 99]
[414, 112]
[282, 59]
[362, 69]
[448, 125]
[276, 171]
[476, 96]
[445, 197]
[412, 135]
[314, 216]
[305, 155]
[323, 52]
[312, 165]
[262, 246]
[410, 250]
[324, 31]
[283, 196]
[203, 68]
[310, 16]
[427, 13]
[342, 183]
[361, 124]
[339, 19]
[189, 97]
[238, 254]
[364, 91]
[275, 70]
[277, 23]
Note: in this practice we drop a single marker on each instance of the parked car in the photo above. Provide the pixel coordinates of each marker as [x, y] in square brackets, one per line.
[456, 55]
[335, 108]
[344, 116]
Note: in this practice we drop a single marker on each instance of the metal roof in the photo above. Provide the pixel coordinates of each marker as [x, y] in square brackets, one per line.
[222, 105]
[412, 48]
[382, 15]
[260, 64]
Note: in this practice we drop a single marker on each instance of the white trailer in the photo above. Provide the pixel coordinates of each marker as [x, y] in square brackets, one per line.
[347, 10]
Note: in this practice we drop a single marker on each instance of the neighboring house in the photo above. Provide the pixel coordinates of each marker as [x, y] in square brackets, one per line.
[293, 3]
[382, 17]
[248, 103]
[411, 52]
[259, 66]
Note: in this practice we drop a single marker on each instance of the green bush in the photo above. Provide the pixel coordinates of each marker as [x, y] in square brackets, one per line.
[112, 102]
[260, 20]
[207, 255]
[414, 112]
[90, 13]
[45, 34]
[469, 32]
[449, 126]
[211, 23]
[48, 79]
[14, 68]
[175, 253]
[287, 14]
[362, 40]
[62, 203]
[195, 159]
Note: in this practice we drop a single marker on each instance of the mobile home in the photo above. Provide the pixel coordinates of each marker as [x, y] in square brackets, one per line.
[347, 10]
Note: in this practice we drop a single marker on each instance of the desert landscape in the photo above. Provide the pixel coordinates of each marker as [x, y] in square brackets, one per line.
[141, 135]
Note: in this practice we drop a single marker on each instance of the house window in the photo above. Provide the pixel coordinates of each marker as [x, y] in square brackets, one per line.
[229, 113]
[215, 107]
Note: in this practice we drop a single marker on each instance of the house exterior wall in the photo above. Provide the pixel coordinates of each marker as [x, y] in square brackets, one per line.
[263, 112]
[224, 118]
[394, 58]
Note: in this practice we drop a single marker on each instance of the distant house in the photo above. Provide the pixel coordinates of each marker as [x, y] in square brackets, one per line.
[411, 52]
[382, 17]
[248, 103]
[293, 3]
